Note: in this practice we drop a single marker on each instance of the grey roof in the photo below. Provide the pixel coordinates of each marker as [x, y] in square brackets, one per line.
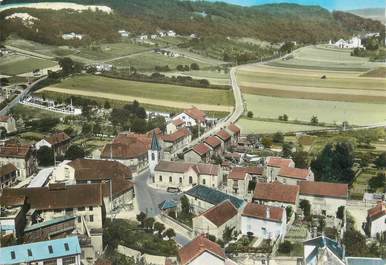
[364, 261]
[213, 196]
[323, 241]
[155, 145]
[50, 222]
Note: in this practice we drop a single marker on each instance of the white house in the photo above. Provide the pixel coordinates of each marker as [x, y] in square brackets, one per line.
[203, 251]
[184, 175]
[215, 220]
[292, 176]
[324, 197]
[59, 142]
[72, 36]
[276, 194]
[376, 220]
[263, 221]
[171, 33]
[192, 117]
[22, 156]
[354, 42]
[8, 123]
[174, 125]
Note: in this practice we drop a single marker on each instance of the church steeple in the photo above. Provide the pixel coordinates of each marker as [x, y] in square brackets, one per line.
[154, 154]
[155, 145]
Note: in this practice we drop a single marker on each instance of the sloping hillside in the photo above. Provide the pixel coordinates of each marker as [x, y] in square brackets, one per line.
[372, 13]
[273, 22]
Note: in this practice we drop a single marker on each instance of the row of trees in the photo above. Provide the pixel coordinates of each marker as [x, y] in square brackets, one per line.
[46, 157]
[149, 224]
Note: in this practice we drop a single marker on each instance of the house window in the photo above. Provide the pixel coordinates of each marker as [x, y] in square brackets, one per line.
[152, 156]
[203, 182]
[50, 249]
[13, 255]
[190, 179]
[79, 219]
[180, 180]
[69, 260]
[160, 178]
[91, 218]
[66, 247]
[170, 179]
[90, 208]
[81, 209]
[29, 251]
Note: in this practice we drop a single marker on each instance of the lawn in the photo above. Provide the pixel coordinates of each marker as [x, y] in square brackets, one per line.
[147, 61]
[213, 76]
[326, 111]
[378, 72]
[321, 57]
[19, 64]
[28, 113]
[265, 127]
[146, 93]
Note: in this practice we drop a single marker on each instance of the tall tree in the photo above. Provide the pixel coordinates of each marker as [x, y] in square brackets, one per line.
[45, 156]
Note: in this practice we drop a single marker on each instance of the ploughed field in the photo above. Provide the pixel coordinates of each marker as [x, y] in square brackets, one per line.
[355, 93]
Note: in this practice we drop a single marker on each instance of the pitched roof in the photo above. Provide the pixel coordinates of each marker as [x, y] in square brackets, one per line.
[213, 196]
[221, 213]
[177, 135]
[178, 122]
[324, 189]
[276, 191]
[57, 138]
[155, 145]
[233, 128]
[57, 196]
[198, 246]
[182, 167]
[223, 135]
[124, 151]
[239, 173]
[212, 141]
[15, 150]
[201, 149]
[167, 204]
[95, 169]
[4, 118]
[322, 241]
[377, 211]
[196, 114]
[259, 211]
[6, 169]
[278, 161]
[40, 251]
[296, 173]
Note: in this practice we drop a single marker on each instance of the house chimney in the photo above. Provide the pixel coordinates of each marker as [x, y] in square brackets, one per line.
[267, 213]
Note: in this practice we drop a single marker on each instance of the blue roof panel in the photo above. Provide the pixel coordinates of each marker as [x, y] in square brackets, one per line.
[40, 251]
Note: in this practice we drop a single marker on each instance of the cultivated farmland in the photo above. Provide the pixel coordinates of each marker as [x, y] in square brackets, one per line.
[19, 64]
[146, 93]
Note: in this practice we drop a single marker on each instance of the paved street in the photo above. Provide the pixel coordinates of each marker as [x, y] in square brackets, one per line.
[149, 198]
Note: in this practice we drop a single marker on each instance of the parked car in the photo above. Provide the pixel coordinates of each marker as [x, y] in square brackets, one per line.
[173, 190]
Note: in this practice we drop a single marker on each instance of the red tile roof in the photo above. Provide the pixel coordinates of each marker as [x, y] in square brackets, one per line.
[221, 213]
[324, 189]
[259, 211]
[377, 211]
[233, 128]
[296, 173]
[239, 173]
[198, 246]
[57, 138]
[196, 114]
[223, 135]
[178, 122]
[182, 167]
[278, 161]
[123, 151]
[15, 150]
[179, 134]
[4, 118]
[276, 191]
[213, 141]
[201, 149]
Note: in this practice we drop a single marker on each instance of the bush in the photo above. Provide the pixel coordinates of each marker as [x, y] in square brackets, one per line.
[286, 247]
[250, 114]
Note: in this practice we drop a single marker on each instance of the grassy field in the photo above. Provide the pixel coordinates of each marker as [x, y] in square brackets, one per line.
[255, 126]
[214, 77]
[147, 61]
[326, 111]
[324, 58]
[378, 72]
[28, 112]
[19, 64]
[146, 93]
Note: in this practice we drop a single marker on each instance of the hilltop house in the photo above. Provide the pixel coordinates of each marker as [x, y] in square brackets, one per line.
[354, 42]
[192, 117]
[183, 175]
[216, 219]
[59, 142]
[324, 197]
[8, 123]
[22, 156]
[202, 198]
[376, 220]
[263, 221]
